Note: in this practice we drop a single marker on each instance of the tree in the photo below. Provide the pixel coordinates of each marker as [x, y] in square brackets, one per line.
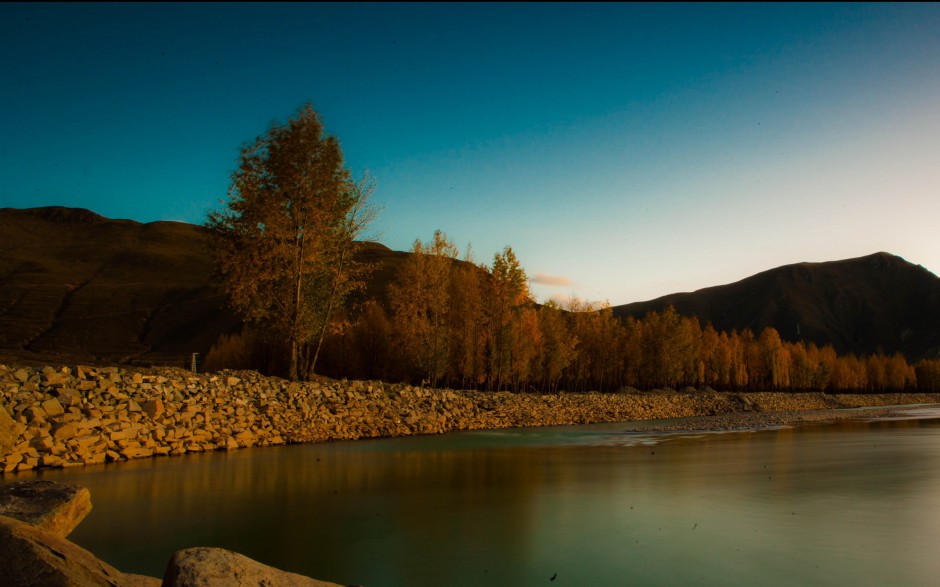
[421, 305]
[927, 375]
[371, 336]
[774, 359]
[668, 349]
[559, 345]
[506, 296]
[467, 323]
[597, 363]
[286, 235]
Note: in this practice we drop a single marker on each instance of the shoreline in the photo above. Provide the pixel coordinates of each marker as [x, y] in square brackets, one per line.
[68, 416]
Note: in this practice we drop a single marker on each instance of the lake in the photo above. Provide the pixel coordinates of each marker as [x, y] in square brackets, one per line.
[848, 503]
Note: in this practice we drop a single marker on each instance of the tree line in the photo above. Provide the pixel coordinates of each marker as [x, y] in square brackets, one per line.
[458, 324]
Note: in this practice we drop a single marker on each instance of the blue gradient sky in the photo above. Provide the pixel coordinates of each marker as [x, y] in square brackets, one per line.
[624, 151]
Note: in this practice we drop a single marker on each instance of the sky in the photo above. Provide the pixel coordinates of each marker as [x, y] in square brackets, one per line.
[624, 151]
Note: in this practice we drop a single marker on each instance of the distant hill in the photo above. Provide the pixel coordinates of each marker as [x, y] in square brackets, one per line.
[78, 287]
[83, 287]
[875, 303]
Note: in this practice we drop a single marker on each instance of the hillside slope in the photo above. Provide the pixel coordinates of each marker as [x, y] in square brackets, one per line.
[78, 287]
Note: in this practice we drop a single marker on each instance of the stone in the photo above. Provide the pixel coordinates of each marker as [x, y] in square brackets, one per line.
[52, 407]
[153, 408]
[36, 416]
[51, 461]
[96, 458]
[53, 507]
[34, 557]
[136, 452]
[66, 431]
[56, 378]
[210, 567]
[27, 464]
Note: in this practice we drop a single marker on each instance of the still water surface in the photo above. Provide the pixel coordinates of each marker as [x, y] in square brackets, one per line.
[852, 503]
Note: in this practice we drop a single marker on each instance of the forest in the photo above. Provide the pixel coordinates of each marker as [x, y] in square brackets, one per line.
[454, 323]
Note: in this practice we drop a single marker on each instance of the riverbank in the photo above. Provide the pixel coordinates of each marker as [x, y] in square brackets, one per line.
[74, 416]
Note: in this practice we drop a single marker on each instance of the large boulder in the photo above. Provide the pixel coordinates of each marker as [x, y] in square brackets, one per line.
[213, 567]
[50, 506]
[31, 557]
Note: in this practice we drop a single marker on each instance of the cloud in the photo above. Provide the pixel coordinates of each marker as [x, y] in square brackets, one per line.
[551, 280]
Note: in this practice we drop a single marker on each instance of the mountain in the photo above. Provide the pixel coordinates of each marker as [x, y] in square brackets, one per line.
[78, 287]
[875, 303]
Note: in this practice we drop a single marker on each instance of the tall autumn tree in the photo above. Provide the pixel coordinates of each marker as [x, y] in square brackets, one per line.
[559, 345]
[467, 323]
[421, 305]
[775, 359]
[286, 235]
[506, 298]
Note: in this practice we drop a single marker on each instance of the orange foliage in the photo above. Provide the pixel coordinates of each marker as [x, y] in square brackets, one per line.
[468, 326]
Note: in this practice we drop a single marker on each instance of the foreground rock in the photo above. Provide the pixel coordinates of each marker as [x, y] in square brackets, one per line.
[31, 557]
[211, 567]
[35, 553]
[52, 507]
[74, 416]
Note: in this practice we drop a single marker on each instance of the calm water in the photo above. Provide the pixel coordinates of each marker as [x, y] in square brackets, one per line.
[853, 503]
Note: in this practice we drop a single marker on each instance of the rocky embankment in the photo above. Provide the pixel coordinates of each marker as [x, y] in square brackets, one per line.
[70, 416]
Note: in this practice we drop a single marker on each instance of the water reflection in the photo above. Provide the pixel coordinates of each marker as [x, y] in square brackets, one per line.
[852, 502]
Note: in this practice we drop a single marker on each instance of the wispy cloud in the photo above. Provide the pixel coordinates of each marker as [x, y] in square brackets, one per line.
[551, 280]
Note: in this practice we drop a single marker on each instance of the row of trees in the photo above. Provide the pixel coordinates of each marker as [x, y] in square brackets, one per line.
[451, 323]
[457, 324]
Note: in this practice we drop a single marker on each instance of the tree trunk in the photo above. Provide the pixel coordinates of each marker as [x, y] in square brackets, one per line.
[292, 373]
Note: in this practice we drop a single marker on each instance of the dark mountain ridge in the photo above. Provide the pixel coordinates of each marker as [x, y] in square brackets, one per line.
[78, 287]
[876, 303]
